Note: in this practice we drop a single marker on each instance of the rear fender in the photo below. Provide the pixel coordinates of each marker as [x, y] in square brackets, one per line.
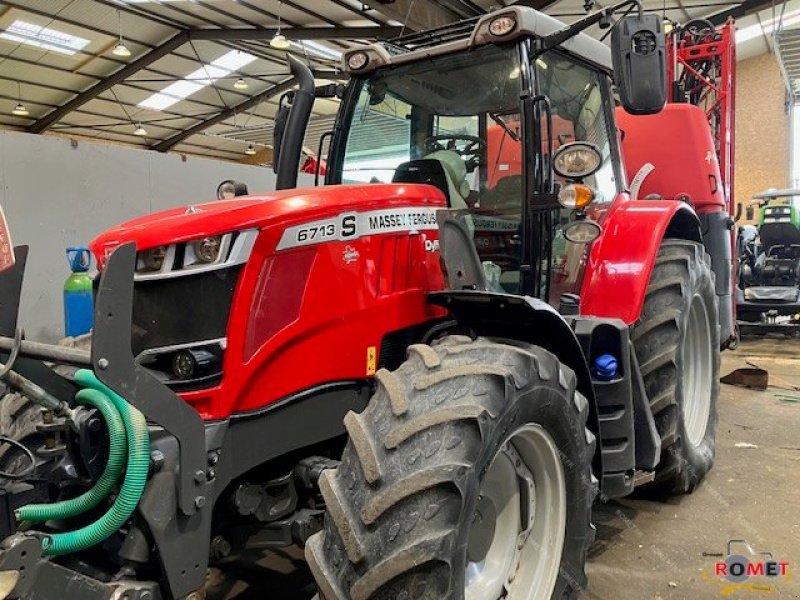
[524, 319]
[621, 261]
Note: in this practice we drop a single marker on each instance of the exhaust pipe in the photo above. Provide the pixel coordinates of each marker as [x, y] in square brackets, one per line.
[291, 141]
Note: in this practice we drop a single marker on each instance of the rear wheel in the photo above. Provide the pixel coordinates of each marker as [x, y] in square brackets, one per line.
[676, 340]
[468, 476]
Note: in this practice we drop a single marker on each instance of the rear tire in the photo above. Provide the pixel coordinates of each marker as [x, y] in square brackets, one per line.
[676, 340]
[407, 511]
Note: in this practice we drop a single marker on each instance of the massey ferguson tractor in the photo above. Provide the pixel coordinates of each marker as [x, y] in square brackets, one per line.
[423, 372]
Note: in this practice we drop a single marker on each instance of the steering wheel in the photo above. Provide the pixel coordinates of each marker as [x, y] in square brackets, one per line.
[471, 148]
[699, 29]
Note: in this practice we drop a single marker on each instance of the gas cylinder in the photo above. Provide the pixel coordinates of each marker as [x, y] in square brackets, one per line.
[78, 300]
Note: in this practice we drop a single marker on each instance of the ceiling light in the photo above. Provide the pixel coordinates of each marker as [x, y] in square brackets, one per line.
[43, 37]
[20, 110]
[250, 150]
[279, 42]
[241, 84]
[121, 49]
[197, 80]
[140, 131]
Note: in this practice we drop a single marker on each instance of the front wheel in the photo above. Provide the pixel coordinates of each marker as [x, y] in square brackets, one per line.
[468, 477]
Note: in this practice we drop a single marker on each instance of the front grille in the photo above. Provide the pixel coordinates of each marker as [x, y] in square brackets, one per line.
[181, 310]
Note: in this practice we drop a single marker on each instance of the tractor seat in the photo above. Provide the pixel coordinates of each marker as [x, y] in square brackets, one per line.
[443, 169]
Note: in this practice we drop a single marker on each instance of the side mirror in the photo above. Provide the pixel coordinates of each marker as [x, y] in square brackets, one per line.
[7, 258]
[750, 212]
[639, 56]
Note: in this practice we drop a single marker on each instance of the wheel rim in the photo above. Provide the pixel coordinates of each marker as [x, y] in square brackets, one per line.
[516, 538]
[697, 366]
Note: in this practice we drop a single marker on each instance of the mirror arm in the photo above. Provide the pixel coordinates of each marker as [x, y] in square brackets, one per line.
[562, 35]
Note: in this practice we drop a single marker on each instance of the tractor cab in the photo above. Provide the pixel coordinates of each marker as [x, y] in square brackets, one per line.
[485, 118]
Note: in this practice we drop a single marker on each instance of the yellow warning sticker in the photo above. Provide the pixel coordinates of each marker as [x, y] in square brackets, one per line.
[371, 362]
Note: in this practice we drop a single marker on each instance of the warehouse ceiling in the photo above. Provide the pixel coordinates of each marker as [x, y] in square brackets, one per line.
[201, 76]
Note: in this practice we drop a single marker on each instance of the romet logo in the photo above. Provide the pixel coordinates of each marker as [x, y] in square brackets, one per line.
[748, 569]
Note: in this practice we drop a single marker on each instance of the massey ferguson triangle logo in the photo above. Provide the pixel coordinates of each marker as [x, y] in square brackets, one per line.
[350, 255]
[747, 569]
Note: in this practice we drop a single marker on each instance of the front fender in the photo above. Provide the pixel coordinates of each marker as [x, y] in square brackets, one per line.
[621, 261]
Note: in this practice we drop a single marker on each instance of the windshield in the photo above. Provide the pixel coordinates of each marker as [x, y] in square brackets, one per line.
[443, 108]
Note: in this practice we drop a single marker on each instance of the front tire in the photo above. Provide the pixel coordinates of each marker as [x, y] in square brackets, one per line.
[676, 341]
[468, 476]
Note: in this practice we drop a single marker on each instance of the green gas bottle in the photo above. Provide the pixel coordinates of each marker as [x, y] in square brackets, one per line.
[78, 296]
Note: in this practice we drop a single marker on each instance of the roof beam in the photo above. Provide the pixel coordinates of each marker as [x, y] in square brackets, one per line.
[417, 16]
[297, 33]
[744, 8]
[171, 142]
[173, 43]
[181, 38]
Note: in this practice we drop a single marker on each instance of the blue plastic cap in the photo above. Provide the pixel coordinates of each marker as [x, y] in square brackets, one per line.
[605, 367]
[80, 259]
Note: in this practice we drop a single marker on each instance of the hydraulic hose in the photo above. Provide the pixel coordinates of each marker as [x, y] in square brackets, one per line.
[113, 469]
[138, 463]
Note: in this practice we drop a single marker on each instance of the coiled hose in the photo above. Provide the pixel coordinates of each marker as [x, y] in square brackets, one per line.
[118, 442]
[138, 464]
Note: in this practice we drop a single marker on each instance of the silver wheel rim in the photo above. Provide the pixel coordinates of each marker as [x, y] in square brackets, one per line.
[697, 372]
[516, 556]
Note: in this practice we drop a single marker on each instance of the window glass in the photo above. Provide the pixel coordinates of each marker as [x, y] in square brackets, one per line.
[379, 138]
[579, 114]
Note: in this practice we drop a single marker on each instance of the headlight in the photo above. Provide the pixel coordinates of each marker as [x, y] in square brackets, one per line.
[575, 195]
[207, 249]
[187, 364]
[582, 232]
[153, 259]
[502, 25]
[577, 160]
[357, 61]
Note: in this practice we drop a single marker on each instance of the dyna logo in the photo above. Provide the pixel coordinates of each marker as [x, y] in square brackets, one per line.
[747, 569]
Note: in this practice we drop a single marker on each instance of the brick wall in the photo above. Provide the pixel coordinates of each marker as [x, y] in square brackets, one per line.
[762, 128]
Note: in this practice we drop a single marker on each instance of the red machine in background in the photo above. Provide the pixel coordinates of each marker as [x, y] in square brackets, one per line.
[693, 135]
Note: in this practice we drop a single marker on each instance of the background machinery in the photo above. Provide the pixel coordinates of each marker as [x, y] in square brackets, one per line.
[769, 266]
[425, 380]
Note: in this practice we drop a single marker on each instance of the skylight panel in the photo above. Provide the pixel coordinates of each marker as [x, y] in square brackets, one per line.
[317, 49]
[197, 80]
[43, 37]
[234, 60]
[767, 26]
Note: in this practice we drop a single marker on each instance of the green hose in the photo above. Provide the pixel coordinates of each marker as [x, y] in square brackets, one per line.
[114, 466]
[130, 493]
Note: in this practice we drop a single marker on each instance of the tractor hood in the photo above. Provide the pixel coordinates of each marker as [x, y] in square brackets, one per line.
[256, 212]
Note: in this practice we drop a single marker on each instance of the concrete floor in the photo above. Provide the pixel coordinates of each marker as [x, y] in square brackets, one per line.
[659, 551]
[649, 550]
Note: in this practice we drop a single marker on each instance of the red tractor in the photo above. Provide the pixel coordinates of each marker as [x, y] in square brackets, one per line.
[425, 380]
